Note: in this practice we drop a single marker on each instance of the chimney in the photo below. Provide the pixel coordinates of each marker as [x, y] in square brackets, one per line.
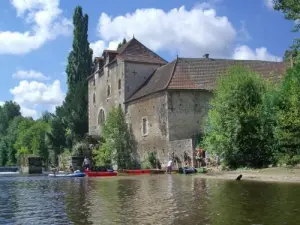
[206, 56]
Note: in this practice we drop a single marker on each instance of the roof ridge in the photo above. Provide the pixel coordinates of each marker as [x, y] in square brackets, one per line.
[123, 50]
[236, 60]
[173, 72]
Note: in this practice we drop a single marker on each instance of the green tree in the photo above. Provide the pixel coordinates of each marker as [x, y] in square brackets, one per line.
[122, 43]
[12, 133]
[3, 151]
[118, 146]
[288, 117]
[75, 107]
[56, 137]
[291, 11]
[33, 138]
[235, 127]
[8, 111]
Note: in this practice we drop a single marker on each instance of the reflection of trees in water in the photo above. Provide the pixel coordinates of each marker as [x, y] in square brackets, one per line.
[8, 202]
[191, 200]
[77, 203]
[254, 203]
[37, 200]
[104, 200]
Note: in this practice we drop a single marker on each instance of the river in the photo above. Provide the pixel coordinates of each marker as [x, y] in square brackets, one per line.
[153, 200]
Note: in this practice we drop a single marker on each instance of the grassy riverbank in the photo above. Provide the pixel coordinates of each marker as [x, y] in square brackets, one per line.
[276, 174]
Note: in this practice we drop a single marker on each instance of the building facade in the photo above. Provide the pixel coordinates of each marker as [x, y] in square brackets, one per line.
[165, 103]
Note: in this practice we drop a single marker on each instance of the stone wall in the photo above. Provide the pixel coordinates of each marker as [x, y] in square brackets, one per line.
[179, 147]
[108, 78]
[64, 162]
[186, 112]
[31, 164]
[154, 110]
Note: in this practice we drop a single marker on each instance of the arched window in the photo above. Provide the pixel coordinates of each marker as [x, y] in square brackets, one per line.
[101, 117]
[108, 90]
[94, 98]
[119, 84]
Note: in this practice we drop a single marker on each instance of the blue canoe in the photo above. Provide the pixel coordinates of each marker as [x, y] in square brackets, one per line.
[75, 174]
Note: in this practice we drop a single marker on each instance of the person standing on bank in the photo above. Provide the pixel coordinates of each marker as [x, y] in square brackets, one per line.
[169, 169]
[86, 163]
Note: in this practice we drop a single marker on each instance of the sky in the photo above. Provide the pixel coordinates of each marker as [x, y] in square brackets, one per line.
[36, 38]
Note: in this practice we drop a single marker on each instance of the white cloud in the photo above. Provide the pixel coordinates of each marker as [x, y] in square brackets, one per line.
[188, 33]
[100, 45]
[245, 53]
[29, 75]
[27, 112]
[243, 33]
[29, 95]
[1, 103]
[46, 22]
[269, 4]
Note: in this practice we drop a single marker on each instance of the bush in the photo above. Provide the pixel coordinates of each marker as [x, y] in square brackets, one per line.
[288, 118]
[236, 125]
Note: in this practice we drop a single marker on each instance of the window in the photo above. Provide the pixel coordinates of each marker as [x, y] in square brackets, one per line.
[94, 98]
[145, 126]
[119, 84]
[108, 90]
[101, 117]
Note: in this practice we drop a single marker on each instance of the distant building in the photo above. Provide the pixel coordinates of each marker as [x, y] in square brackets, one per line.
[164, 103]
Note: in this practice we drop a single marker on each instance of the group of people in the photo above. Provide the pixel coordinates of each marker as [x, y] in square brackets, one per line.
[202, 156]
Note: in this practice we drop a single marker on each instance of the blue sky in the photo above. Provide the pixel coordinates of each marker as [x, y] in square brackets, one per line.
[35, 38]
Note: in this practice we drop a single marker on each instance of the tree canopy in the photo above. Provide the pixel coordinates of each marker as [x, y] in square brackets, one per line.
[118, 147]
[234, 127]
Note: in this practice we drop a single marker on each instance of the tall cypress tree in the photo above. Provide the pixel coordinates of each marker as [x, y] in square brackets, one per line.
[75, 106]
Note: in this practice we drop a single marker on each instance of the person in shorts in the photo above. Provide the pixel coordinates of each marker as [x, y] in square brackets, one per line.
[86, 163]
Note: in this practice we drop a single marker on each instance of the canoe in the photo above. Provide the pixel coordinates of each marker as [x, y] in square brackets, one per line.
[77, 174]
[101, 173]
[137, 172]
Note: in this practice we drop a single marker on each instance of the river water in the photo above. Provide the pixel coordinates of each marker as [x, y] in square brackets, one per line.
[153, 200]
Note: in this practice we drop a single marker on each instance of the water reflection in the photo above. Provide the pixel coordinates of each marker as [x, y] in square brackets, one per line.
[159, 199]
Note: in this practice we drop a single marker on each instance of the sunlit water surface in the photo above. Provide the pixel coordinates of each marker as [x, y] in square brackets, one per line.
[155, 200]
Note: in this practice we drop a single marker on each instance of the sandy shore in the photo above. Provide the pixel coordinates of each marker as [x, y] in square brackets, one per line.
[276, 174]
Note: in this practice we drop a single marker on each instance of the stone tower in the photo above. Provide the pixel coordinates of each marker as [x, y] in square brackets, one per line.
[117, 75]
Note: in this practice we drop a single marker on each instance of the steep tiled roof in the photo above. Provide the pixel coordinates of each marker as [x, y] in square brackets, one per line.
[201, 73]
[158, 81]
[135, 51]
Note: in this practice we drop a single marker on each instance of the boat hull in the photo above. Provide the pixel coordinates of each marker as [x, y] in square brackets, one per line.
[68, 175]
[137, 172]
[101, 174]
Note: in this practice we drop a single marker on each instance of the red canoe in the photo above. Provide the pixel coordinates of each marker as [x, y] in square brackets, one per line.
[100, 174]
[136, 172]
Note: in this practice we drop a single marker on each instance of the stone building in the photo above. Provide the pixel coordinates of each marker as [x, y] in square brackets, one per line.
[164, 103]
